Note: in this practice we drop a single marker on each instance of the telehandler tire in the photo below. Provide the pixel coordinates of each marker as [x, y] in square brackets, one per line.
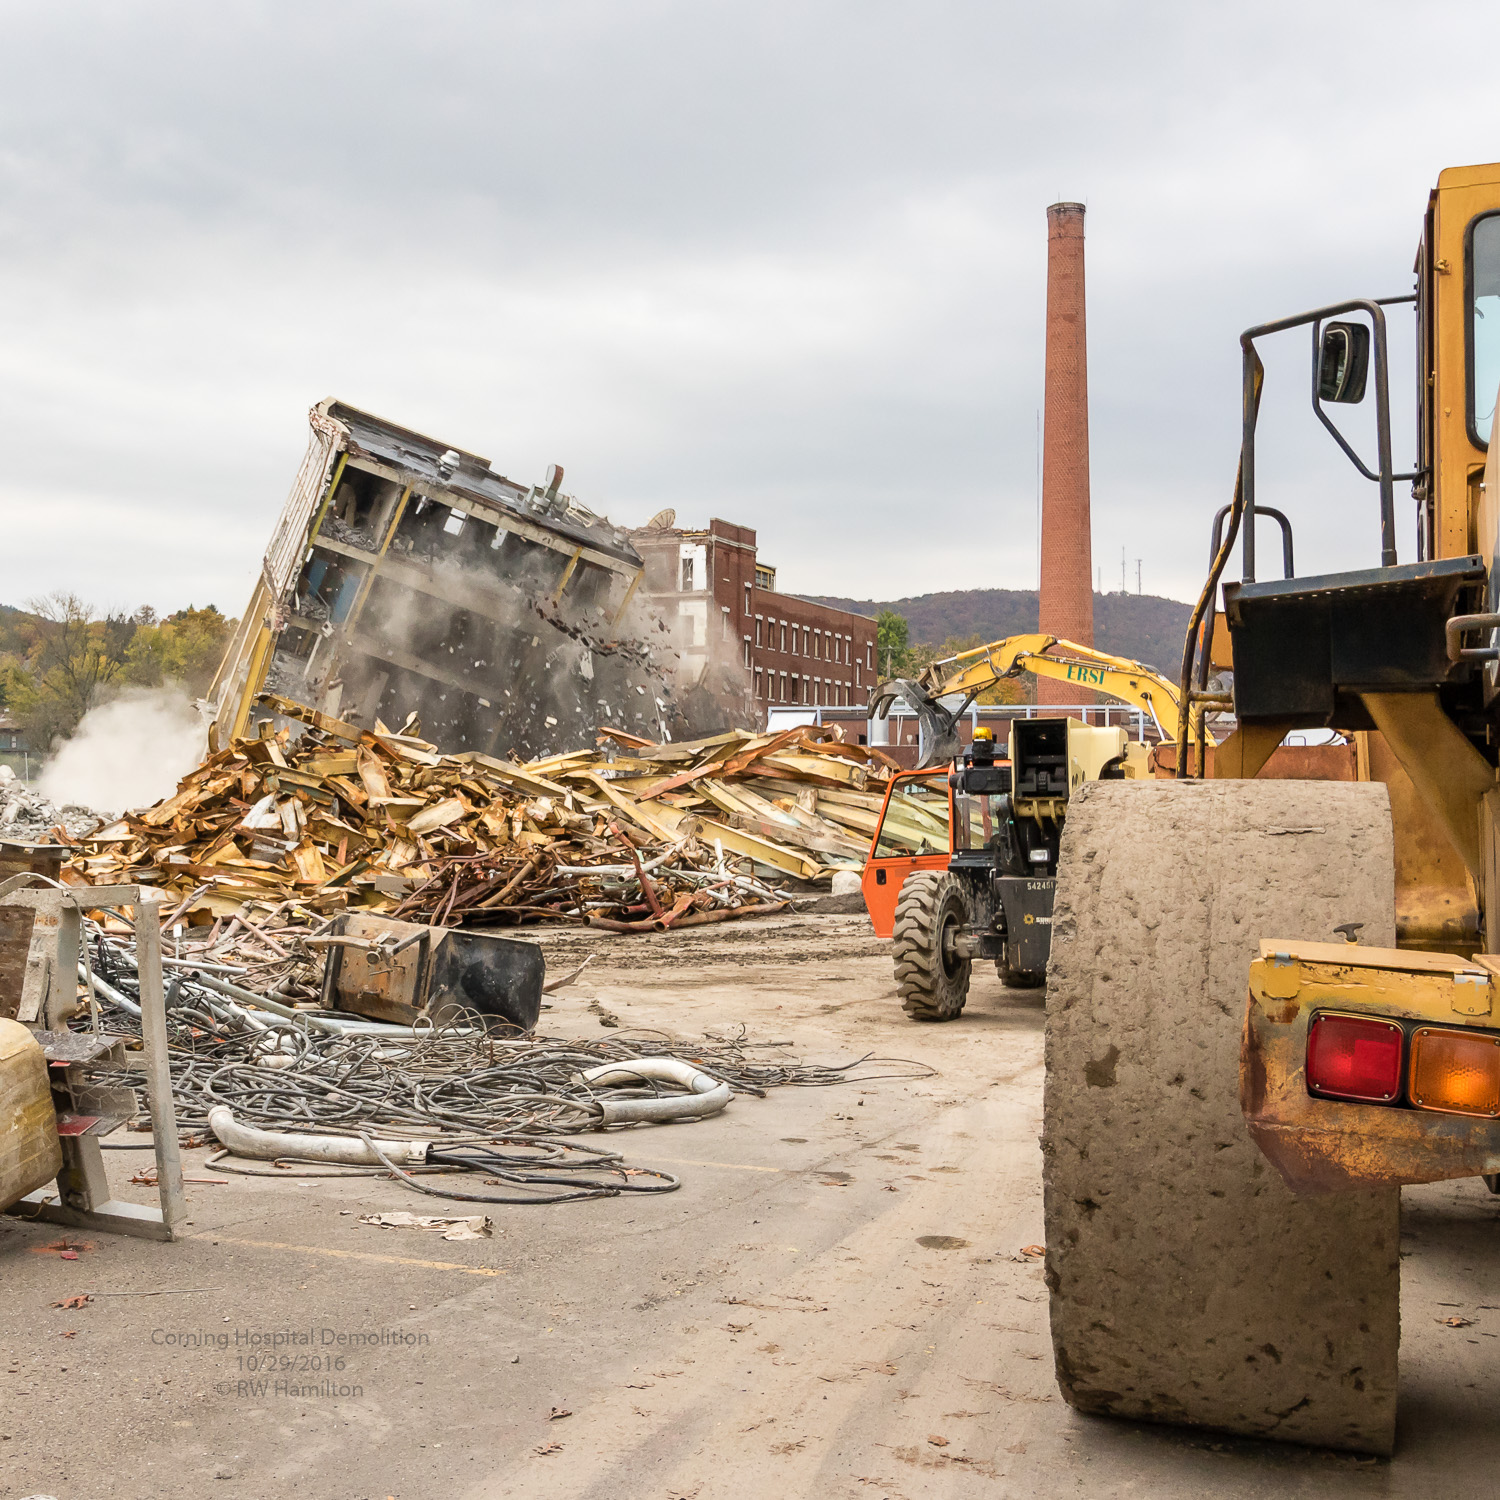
[933, 986]
[1188, 1284]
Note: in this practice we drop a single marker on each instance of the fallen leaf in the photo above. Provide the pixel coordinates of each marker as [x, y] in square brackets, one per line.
[558, 1412]
[1033, 1250]
[548, 1448]
[1456, 1322]
[74, 1302]
[936, 1441]
[882, 1368]
[72, 1333]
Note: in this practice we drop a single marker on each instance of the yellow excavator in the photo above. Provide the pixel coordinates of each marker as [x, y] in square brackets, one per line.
[960, 679]
[1273, 1003]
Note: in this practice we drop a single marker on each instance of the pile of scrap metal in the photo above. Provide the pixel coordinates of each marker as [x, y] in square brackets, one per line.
[405, 575]
[273, 833]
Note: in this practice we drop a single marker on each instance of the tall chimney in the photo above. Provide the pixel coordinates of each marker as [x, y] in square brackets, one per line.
[1067, 593]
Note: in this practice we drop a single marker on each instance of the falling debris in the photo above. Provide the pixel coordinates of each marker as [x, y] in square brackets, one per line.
[405, 575]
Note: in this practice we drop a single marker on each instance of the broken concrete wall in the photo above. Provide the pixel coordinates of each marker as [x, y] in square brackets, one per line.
[408, 576]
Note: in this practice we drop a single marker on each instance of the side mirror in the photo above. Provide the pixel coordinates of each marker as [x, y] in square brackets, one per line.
[1343, 362]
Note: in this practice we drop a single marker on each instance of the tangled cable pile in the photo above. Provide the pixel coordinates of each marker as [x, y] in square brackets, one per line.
[486, 1101]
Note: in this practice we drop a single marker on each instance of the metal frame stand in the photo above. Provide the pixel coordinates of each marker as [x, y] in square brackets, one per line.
[81, 1198]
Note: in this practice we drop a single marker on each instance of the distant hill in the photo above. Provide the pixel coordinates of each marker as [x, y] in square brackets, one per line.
[1145, 627]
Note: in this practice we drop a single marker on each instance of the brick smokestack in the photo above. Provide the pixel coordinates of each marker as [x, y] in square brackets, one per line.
[1067, 581]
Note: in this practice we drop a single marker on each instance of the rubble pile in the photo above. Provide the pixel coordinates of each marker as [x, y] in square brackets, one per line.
[627, 836]
[29, 817]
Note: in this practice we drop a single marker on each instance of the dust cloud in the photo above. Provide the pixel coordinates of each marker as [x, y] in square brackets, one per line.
[128, 752]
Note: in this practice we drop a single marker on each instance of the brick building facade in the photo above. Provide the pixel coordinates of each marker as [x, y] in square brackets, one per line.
[730, 623]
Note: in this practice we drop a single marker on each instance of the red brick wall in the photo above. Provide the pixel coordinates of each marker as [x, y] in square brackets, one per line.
[808, 653]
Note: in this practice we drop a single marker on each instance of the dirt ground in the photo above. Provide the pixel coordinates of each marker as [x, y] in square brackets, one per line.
[835, 1304]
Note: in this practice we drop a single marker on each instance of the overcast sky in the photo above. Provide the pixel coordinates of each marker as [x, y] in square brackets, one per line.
[781, 263]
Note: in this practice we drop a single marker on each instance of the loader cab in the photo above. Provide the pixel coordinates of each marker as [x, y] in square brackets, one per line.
[1401, 656]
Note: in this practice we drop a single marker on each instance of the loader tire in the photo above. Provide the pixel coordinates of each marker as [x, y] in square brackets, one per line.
[932, 987]
[1187, 1283]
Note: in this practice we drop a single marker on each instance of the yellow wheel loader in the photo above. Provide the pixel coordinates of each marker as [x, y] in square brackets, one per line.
[1272, 1003]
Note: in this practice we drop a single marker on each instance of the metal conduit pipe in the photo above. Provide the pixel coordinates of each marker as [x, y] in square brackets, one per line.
[707, 1097]
[318, 1023]
[272, 1145]
[109, 991]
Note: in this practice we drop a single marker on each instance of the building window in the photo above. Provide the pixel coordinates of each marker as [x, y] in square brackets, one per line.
[747, 650]
[747, 598]
[687, 575]
[807, 649]
[869, 652]
[794, 640]
[759, 684]
[765, 578]
[724, 619]
[758, 623]
[806, 689]
[783, 635]
[856, 674]
[783, 687]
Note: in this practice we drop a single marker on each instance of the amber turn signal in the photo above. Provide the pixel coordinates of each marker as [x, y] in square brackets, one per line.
[1457, 1072]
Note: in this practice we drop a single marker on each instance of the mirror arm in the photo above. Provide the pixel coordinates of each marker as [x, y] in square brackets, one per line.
[1386, 477]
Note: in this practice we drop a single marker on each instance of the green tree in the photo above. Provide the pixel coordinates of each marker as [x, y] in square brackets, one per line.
[58, 660]
[185, 647]
[892, 650]
[68, 658]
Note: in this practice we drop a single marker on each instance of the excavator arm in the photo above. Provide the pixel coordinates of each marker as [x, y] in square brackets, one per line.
[971, 672]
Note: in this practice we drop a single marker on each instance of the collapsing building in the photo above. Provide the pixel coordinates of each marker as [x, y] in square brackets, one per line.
[405, 576]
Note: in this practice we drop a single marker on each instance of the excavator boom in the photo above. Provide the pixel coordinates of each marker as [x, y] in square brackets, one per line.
[971, 672]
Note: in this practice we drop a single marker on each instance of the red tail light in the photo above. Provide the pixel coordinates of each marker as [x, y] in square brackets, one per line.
[1354, 1057]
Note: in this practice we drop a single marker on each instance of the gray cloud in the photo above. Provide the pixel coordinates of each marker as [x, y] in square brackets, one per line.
[778, 262]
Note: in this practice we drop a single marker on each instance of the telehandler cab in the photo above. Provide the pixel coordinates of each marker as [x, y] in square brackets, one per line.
[985, 891]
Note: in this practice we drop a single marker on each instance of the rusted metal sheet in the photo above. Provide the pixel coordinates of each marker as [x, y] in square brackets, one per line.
[404, 972]
[1327, 1145]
